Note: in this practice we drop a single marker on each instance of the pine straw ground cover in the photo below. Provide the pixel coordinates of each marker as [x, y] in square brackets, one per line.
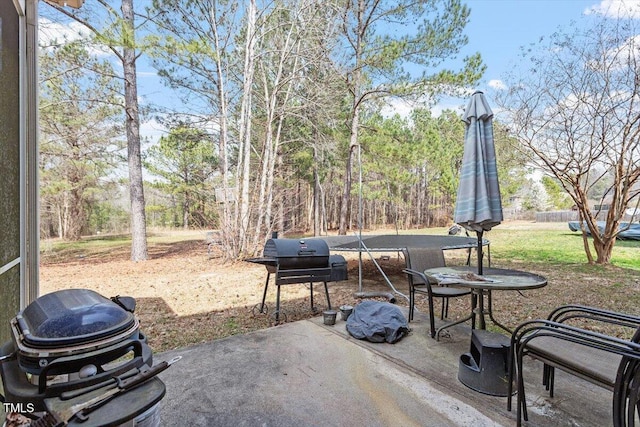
[186, 297]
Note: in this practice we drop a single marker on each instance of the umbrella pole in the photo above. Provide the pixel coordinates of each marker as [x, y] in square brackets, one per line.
[480, 255]
[360, 214]
[480, 308]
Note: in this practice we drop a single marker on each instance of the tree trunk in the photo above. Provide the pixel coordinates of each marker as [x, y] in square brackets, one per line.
[346, 195]
[227, 232]
[76, 214]
[244, 165]
[356, 89]
[317, 218]
[132, 122]
[185, 213]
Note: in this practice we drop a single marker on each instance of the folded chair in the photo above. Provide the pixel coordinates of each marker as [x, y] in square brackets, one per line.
[607, 361]
[417, 261]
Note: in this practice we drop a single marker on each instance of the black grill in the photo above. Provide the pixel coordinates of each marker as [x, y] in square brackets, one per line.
[299, 261]
[298, 253]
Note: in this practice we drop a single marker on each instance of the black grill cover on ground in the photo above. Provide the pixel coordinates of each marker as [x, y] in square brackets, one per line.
[377, 322]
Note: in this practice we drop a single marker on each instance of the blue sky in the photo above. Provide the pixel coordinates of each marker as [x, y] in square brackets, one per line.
[497, 29]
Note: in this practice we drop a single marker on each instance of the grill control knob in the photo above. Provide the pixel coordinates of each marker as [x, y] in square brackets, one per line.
[87, 371]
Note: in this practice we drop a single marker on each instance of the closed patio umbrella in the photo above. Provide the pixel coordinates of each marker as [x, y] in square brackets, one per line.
[478, 205]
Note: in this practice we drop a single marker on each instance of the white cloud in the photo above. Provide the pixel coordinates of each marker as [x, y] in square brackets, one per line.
[397, 106]
[497, 84]
[626, 54]
[54, 33]
[616, 9]
[152, 130]
[448, 103]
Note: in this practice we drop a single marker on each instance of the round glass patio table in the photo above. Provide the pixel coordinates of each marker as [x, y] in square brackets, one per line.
[492, 279]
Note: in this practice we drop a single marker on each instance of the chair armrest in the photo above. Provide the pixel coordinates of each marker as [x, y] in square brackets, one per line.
[529, 331]
[414, 273]
[423, 277]
[572, 311]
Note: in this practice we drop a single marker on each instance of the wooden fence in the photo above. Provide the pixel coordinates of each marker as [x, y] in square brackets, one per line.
[564, 216]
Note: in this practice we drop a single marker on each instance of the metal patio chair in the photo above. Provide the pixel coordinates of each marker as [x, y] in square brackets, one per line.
[417, 261]
[607, 361]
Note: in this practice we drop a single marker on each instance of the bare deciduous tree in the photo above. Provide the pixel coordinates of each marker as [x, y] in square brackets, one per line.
[576, 108]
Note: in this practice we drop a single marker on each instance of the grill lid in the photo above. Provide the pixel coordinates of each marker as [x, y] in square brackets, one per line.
[71, 316]
[294, 248]
[297, 253]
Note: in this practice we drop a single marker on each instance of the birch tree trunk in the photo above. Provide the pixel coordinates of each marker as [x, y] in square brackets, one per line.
[355, 118]
[229, 239]
[244, 163]
[275, 108]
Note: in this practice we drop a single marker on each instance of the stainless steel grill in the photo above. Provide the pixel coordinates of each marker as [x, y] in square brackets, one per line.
[68, 346]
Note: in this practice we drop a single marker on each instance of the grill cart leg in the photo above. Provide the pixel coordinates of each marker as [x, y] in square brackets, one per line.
[326, 292]
[264, 294]
[277, 313]
[262, 308]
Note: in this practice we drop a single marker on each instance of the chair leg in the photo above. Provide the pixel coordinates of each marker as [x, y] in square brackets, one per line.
[444, 309]
[510, 372]
[545, 376]
[522, 400]
[626, 395]
[632, 404]
[432, 322]
[519, 400]
[412, 297]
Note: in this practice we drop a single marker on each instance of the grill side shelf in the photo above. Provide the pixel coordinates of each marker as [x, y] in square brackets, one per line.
[263, 261]
[288, 277]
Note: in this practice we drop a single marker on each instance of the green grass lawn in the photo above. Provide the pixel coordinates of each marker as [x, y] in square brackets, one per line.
[550, 243]
[557, 247]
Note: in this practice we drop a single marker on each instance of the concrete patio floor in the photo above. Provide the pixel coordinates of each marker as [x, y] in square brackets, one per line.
[308, 374]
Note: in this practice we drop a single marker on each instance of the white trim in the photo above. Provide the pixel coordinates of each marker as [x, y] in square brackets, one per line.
[22, 52]
[29, 228]
[20, 6]
[9, 266]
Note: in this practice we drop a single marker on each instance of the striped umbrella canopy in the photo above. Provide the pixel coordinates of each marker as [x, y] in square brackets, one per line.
[478, 205]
